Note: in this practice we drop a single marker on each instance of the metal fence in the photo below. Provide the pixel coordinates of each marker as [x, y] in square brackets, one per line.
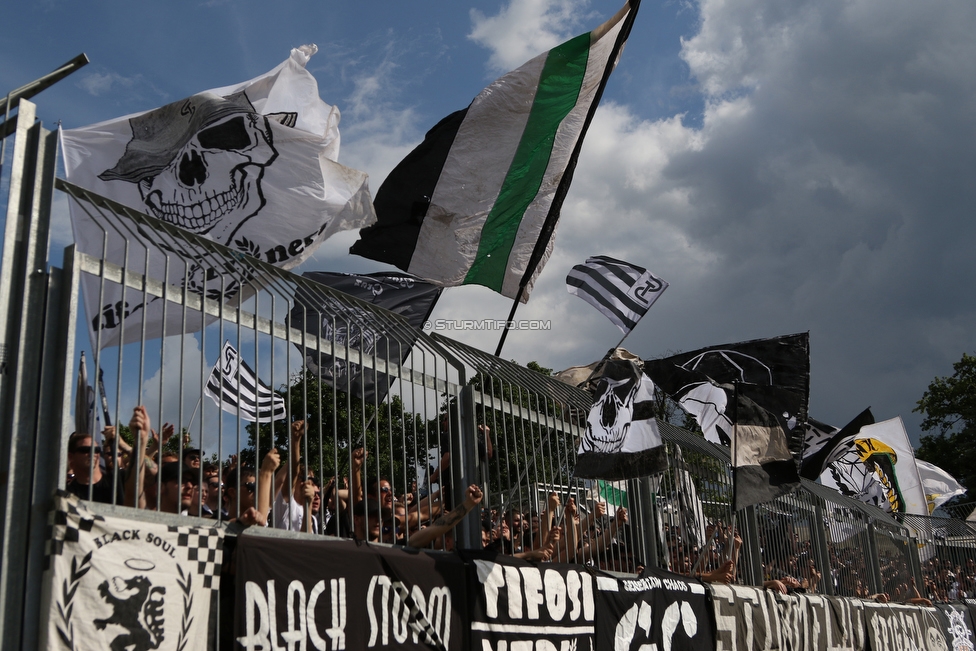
[359, 405]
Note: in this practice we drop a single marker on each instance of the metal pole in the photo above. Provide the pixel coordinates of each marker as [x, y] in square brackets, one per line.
[24, 292]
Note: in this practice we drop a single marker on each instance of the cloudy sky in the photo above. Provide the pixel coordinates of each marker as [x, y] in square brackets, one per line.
[787, 165]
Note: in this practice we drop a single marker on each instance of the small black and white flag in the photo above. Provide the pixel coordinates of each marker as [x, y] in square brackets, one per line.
[621, 291]
[237, 390]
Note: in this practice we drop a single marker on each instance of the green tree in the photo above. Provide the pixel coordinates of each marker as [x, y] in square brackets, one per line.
[336, 422]
[949, 406]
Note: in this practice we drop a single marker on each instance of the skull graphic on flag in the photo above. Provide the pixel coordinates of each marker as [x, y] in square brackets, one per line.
[198, 163]
[250, 166]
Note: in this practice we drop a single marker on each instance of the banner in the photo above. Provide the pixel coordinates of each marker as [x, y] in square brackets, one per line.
[333, 595]
[957, 626]
[515, 604]
[893, 626]
[877, 466]
[112, 583]
[658, 610]
[749, 618]
[745, 618]
[702, 381]
[320, 314]
[478, 200]
[621, 440]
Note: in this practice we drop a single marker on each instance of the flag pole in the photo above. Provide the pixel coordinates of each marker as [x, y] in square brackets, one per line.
[735, 438]
[104, 398]
[199, 400]
[549, 226]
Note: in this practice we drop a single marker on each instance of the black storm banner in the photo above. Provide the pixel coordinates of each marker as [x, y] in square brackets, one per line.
[331, 596]
[659, 610]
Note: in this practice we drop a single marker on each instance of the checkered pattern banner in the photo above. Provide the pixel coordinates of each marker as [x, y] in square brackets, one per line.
[117, 583]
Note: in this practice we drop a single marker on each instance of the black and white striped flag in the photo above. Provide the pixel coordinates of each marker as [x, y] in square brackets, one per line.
[237, 390]
[623, 292]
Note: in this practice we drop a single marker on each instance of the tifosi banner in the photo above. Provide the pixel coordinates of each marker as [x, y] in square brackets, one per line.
[331, 595]
[518, 605]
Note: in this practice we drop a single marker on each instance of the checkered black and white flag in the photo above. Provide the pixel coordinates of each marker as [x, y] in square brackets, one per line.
[623, 292]
[237, 390]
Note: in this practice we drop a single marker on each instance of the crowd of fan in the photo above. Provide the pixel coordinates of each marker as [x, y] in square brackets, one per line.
[286, 496]
[274, 494]
[945, 580]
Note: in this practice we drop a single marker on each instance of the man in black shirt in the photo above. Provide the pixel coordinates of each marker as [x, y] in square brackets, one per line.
[88, 475]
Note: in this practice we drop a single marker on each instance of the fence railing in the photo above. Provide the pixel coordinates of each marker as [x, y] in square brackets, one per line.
[371, 426]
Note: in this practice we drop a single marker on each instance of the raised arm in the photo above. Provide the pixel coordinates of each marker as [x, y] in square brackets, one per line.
[294, 456]
[140, 427]
[445, 523]
[568, 551]
[266, 476]
[356, 475]
[307, 494]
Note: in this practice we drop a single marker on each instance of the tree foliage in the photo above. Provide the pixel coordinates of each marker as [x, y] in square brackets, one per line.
[338, 422]
[949, 407]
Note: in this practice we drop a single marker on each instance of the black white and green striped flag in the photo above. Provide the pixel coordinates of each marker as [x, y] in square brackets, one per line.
[470, 204]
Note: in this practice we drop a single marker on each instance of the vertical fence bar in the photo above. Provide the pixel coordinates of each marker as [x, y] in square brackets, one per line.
[24, 292]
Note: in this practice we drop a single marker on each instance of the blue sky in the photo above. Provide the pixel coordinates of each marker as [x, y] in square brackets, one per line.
[787, 165]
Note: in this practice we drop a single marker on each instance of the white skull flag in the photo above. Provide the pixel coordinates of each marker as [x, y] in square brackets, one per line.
[621, 440]
[250, 166]
[112, 583]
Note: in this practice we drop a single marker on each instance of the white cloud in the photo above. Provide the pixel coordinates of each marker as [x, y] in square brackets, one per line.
[526, 28]
[97, 83]
[828, 189]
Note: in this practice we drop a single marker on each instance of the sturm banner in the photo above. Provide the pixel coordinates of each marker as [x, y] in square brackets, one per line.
[517, 605]
[112, 583]
[753, 618]
[659, 610]
[332, 595]
[745, 619]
